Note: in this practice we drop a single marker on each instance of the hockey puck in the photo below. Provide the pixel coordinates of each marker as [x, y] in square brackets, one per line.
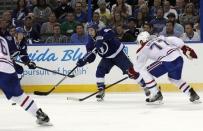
[13, 104]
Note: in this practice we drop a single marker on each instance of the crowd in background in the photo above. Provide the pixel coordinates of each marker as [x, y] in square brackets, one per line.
[65, 21]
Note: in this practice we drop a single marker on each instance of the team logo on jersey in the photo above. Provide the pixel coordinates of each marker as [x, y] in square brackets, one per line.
[104, 49]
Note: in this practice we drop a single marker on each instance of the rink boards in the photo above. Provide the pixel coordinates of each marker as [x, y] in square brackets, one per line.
[62, 58]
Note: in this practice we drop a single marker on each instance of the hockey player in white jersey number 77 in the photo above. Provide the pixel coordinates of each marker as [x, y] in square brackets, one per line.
[10, 85]
[165, 51]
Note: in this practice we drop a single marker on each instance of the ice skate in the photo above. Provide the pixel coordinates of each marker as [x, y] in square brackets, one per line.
[100, 95]
[156, 98]
[194, 97]
[42, 118]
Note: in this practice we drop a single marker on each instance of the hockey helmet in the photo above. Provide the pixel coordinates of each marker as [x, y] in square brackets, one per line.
[92, 25]
[143, 37]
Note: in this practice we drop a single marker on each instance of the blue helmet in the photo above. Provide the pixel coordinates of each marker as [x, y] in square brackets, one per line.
[92, 25]
[19, 30]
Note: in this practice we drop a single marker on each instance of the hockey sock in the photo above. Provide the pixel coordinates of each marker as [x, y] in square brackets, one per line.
[100, 83]
[27, 103]
[182, 85]
[152, 86]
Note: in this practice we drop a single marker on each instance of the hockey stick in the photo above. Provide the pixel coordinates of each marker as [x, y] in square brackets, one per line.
[48, 92]
[42, 68]
[82, 99]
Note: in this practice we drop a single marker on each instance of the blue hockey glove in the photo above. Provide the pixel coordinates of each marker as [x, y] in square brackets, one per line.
[81, 62]
[31, 65]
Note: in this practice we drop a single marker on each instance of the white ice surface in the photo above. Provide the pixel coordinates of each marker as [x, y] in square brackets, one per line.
[119, 112]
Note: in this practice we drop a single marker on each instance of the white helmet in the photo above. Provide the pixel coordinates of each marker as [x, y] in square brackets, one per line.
[143, 36]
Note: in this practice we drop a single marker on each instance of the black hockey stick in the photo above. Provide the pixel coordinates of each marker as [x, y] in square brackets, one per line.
[82, 99]
[42, 68]
[48, 92]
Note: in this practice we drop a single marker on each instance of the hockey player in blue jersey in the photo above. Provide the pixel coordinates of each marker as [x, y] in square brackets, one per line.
[18, 47]
[110, 49]
[10, 85]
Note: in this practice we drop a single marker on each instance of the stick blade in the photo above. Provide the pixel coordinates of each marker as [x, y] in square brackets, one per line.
[41, 93]
[73, 99]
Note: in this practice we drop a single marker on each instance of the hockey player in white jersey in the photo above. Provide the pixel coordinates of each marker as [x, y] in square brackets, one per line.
[165, 52]
[10, 85]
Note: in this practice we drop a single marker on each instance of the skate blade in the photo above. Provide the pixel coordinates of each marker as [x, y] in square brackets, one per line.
[44, 123]
[100, 99]
[158, 102]
[197, 102]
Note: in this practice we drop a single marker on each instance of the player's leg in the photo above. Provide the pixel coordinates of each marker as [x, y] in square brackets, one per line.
[10, 85]
[175, 78]
[124, 63]
[103, 68]
[156, 69]
[19, 70]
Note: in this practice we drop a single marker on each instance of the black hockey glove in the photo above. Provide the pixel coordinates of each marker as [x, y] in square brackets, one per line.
[81, 62]
[31, 65]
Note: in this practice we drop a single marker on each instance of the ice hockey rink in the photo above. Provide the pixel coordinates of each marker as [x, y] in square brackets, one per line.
[119, 112]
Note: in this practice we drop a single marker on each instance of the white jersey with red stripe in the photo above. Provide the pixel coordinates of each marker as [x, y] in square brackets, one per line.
[6, 65]
[159, 49]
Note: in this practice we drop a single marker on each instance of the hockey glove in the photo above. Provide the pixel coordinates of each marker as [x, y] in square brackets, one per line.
[31, 65]
[81, 62]
[132, 73]
[189, 52]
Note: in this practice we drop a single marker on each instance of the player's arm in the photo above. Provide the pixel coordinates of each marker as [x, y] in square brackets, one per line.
[24, 55]
[187, 51]
[89, 57]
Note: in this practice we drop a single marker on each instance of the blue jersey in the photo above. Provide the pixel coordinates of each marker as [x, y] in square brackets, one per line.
[110, 46]
[18, 49]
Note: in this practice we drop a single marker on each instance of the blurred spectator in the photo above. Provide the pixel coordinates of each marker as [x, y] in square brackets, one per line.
[117, 20]
[42, 11]
[19, 13]
[145, 12]
[84, 5]
[132, 29]
[189, 15]
[48, 27]
[122, 36]
[31, 5]
[79, 37]
[189, 34]
[96, 19]
[154, 8]
[4, 28]
[68, 26]
[80, 16]
[7, 17]
[180, 6]
[170, 30]
[103, 12]
[136, 9]
[197, 27]
[167, 9]
[140, 20]
[31, 34]
[178, 28]
[149, 28]
[123, 8]
[64, 8]
[53, 4]
[57, 37]
[159, 22]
